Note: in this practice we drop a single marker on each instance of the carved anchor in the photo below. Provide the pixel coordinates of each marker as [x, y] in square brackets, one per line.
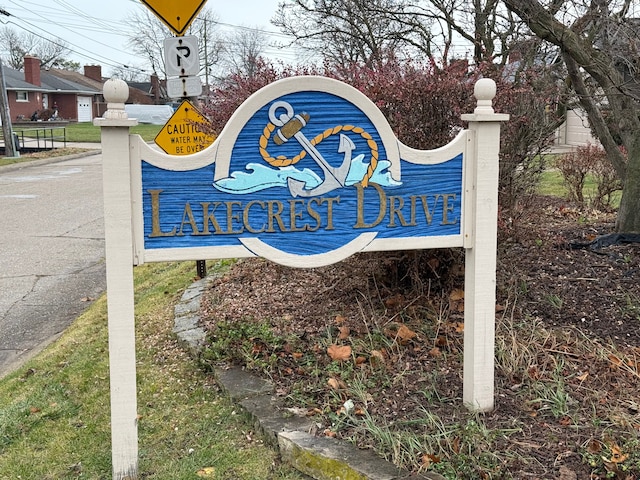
[291, 127]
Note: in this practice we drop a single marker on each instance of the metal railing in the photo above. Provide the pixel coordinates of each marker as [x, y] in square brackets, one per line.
[41, 138]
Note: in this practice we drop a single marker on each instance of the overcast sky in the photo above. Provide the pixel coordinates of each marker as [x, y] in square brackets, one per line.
[96, 33]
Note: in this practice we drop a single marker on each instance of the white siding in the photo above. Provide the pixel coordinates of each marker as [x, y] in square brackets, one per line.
[577, 129]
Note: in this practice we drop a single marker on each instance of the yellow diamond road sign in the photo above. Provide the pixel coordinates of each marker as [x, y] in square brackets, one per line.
[177, 15]
[183, 133]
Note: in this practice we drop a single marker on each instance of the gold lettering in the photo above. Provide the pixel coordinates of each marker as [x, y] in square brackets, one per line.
[396, 211]
[425, 207]
[188, 214]
[275, 215]
[330, 202]
[156, 231]
[294, 215]
[245, 216]
[448, 207]
[314, 214]
[382, 202]
[231, 217]
[209, 217]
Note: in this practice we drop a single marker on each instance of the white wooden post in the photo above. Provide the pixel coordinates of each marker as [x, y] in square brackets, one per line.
[480, 264]
[119, 262]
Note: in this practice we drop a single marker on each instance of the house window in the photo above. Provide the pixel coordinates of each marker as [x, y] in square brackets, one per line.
[22, 96]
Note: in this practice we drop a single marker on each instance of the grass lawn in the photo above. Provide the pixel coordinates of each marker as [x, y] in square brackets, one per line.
[54, 412]
[87, 132]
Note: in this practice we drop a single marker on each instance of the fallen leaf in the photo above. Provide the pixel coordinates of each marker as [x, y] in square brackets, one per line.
[441, 341]
[394, 301]
[336, 384]
[428, 459]
[339, 353]
[566, 420]
[340, 319]
[435, 352]
[615, 360]
[399, 332]
[297, 355]
[207, 472]
[333, 383]
[456, 295]
[377, 357]
[594, 446]
[617, 456]
[583, 377]
[533, 372]
[330, 433]
[344, 332]
[455, 445]
[360, 360]
[33, 410]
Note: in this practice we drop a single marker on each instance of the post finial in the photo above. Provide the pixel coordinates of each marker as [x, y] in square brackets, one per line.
[115, 92]
[484, 91]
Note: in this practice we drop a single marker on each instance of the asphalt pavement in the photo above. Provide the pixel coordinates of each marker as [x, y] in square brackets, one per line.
[52, 250]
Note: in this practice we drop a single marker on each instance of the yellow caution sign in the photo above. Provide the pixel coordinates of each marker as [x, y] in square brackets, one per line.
[184, 133]
[176, 15]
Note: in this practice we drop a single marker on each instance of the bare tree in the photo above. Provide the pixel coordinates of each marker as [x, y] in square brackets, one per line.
[344, 31]
[151, 32]
[347, 31]
[486, 25]
[241, 52]
[599, 44]
[51, 52]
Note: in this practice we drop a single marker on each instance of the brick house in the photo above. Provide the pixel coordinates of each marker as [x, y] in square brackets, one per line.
[35, 90]
[141, 93]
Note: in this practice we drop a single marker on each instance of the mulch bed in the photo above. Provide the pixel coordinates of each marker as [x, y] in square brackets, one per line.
[402, 315]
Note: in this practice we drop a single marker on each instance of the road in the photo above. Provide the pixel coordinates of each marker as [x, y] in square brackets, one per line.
[52, 252]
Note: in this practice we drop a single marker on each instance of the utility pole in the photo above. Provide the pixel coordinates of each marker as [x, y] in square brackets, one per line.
[7, 131]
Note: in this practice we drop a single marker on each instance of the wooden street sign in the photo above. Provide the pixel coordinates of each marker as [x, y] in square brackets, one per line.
[306, 173]
[176, 15]
[183, 133]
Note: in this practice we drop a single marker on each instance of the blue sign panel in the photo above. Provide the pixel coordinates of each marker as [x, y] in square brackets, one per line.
[306, 172]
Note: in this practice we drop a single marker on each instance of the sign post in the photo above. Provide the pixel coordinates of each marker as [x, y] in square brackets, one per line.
[116, 173]
[480, 256]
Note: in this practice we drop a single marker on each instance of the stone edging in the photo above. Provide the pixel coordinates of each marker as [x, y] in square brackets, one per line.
[321, 458]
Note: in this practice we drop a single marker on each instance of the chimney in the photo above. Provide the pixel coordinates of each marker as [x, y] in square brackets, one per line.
[94, 72]
[32, 70]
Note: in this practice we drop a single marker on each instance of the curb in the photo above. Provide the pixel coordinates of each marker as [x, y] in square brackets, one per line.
[12, 167]
[321, 458]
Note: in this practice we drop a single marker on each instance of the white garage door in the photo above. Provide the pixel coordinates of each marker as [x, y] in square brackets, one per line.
[85, 113]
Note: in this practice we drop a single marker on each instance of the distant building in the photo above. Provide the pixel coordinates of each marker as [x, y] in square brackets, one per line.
[77, 96]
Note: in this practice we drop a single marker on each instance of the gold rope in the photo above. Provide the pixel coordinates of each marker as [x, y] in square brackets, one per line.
[282, 161]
